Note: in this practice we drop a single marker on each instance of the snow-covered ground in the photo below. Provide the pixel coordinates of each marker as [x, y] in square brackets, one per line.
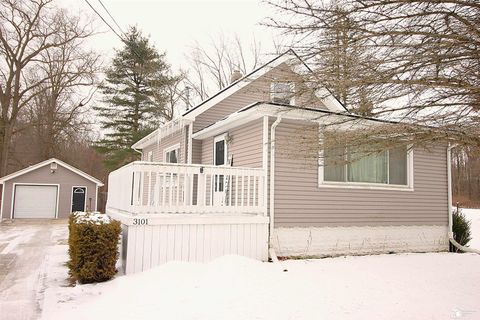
[403, 286]
[407, 286]
[474, 216]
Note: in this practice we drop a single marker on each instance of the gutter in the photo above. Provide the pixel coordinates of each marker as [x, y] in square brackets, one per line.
[141, 153]
[449, 198]
[272, 187]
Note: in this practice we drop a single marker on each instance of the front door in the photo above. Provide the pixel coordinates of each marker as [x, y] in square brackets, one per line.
[219, 159]
[78, 198]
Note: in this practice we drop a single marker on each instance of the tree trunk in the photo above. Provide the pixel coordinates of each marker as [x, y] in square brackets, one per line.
[5, 137]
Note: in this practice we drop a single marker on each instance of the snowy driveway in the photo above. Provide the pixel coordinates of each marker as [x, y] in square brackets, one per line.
[28, 249]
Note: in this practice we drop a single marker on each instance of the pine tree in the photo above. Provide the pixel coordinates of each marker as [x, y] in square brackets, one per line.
[135, 100]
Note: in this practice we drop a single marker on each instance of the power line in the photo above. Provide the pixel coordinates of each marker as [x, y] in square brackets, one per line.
[105, 21]
[114, 31]
[108, 12]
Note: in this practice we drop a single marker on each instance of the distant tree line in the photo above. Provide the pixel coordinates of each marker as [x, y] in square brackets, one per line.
[46, 80]
[466, 177]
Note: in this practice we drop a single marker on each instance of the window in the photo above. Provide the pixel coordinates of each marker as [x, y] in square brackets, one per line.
[358, 165]
[171, 154]
[150, 156]
[219, 150]
[282, 92]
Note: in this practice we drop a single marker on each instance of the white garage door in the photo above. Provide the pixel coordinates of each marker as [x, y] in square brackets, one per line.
[35, 201]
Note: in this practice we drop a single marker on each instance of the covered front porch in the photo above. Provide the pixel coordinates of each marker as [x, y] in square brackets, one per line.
[188, 212]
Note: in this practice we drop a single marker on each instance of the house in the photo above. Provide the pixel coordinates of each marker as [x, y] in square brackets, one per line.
[233, 175]
[50, 189]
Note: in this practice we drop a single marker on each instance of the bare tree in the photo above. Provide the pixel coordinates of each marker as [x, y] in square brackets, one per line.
[29, 31]
[415, 62]
[466, 176]
[59, 110]
[211, 66]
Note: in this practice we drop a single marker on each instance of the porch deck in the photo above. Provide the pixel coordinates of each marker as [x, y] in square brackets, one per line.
[188, 212]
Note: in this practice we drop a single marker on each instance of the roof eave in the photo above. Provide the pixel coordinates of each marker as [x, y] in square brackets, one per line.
[46, 162]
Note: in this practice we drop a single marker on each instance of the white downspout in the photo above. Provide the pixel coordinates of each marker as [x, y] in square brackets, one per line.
[449, 198]
[449, 190]
[271, 250]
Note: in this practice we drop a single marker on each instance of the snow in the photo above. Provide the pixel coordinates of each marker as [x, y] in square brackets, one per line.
[96, 217]
[396, 286]
[474, 216]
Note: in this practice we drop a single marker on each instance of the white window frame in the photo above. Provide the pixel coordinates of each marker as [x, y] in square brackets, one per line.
[150, 156]
[171, 148]
[222, 137]
[292, 89]
[366, 185]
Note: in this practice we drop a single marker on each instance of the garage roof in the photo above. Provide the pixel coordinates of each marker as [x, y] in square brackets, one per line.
[47, 162]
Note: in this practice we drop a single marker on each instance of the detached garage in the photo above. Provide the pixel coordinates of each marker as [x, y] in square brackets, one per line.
[48, 190]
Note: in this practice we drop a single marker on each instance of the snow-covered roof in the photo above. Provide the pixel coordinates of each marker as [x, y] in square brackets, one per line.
[47, 162]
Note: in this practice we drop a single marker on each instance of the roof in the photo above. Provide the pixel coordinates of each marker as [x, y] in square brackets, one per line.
[325, 95]
[47, 162]
[166, 129]
[266, 108]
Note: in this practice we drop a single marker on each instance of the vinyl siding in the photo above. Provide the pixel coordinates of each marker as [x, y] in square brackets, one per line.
[159, 146]
[299, 201]
[66, 180]
[245, 146]
[257, 90]
[197, 151]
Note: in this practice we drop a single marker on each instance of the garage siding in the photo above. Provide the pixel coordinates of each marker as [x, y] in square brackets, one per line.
[65, 178]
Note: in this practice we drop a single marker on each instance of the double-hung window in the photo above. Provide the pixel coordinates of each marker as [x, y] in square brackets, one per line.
[363, 166]
[171, 154]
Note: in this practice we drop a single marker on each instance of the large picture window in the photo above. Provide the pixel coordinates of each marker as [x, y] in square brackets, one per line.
[359, 165]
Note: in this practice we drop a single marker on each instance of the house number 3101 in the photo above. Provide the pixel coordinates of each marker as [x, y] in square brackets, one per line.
[140, 222]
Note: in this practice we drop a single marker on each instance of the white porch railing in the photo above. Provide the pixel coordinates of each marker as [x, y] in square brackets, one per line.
[153, 187]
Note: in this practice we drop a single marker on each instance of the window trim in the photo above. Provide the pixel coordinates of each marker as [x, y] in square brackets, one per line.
[150, 156]
[366, 185]
[171, 148]
[292, 89]
[221, 137]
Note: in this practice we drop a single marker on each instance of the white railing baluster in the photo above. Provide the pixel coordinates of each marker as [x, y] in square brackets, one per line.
[148, 187]
[230, 189]
[236, 189]
[177, 186]
[248, 191]
[164, 191]
[141, 188]
[243, 191]
[254, 202]
[170, 187]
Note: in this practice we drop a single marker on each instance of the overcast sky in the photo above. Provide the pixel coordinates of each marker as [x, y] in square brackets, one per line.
[176, 25]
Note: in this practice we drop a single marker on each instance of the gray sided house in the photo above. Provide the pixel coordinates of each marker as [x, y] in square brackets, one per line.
[50, 189]
[243, 173]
